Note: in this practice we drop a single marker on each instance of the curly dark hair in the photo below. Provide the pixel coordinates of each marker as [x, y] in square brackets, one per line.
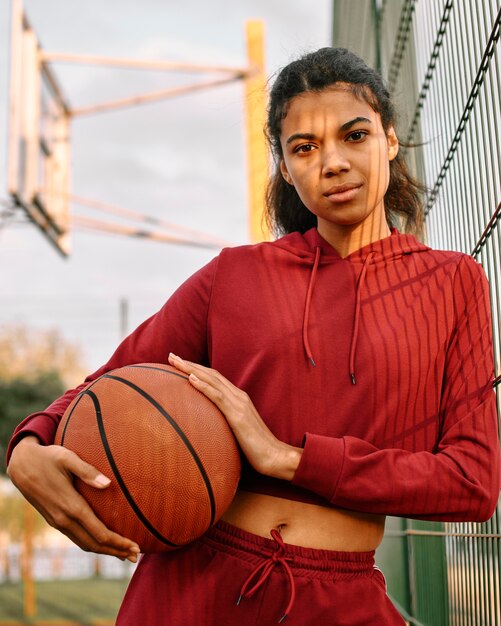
[285, 212]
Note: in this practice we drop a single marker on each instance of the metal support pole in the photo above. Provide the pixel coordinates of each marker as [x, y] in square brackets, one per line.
[29, 597]
[255, 113]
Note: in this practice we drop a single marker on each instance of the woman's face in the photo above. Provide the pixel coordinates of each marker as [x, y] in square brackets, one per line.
[336, 154]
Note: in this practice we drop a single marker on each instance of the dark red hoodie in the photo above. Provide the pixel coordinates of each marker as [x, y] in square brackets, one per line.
[379, 364]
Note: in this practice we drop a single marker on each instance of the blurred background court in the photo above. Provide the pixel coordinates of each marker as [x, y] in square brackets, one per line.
[142, 176]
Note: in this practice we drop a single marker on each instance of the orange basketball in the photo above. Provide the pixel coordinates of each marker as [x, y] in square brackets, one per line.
[168, 450]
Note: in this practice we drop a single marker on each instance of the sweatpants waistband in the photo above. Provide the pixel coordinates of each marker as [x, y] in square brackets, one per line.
[309, 562]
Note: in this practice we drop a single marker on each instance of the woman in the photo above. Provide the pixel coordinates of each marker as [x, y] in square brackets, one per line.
[368, 359]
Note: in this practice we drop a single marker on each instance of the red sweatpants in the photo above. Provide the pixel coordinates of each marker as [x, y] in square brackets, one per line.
[199, 585]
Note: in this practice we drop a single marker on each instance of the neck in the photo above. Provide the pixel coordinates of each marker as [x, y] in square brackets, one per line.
[350, 238]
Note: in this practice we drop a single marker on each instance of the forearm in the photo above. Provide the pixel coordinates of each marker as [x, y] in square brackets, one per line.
[459, 483]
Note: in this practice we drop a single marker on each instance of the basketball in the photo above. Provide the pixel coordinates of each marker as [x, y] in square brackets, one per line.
[173, 461]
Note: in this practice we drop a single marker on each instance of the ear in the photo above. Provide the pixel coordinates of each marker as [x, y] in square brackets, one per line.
[285, 173]
[392, 139]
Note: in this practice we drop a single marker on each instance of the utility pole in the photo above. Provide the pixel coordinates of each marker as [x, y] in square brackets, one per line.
[124, 317]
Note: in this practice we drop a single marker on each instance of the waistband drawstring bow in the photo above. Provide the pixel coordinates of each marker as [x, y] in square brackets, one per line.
[265, 568]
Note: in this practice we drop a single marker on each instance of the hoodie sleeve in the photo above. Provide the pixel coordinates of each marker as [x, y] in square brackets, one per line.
[460, 479]
[180, 327]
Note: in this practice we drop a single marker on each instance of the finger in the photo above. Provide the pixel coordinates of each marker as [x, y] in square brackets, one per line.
[80, 520]
[102, 538]
[204, 386]
[206, 374]
[86, 542]
[186, 366]
[74, 511]
[214, 394]
[82, 525]
[65, 523]
[83, 470]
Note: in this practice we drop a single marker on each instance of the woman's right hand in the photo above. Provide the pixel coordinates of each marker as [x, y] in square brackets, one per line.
[44, 475]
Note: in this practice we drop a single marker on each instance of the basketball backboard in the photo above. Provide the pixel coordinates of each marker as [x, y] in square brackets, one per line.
[39, 122]
[39, 132]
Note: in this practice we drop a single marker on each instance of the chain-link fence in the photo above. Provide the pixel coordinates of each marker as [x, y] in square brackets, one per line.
[441, 61]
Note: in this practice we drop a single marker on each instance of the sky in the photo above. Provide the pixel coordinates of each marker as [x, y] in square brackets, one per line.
[181, 160]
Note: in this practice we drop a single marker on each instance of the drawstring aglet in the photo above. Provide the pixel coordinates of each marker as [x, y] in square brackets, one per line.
[239, 599]
[282, 618]
[312, 361]
[353, 379]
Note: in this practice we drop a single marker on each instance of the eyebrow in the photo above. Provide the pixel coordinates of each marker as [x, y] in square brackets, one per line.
[308, 136]
[345, 126]
[354, 121]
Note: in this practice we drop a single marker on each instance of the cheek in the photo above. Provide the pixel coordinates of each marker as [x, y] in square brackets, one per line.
[379, 172]
[301, 174]
[305, 186]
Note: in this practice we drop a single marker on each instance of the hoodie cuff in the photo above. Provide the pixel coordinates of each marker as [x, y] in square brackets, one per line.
[41, 425]
[321, 463]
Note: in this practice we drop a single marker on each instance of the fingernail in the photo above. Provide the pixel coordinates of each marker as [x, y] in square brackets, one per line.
[173, 356]
[194, 378]
[132, 559]
[101, 480]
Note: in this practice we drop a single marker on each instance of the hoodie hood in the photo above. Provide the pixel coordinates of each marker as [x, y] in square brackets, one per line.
[392, 247]
[314, 249]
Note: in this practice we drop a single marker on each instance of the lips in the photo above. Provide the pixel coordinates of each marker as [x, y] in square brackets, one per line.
[342, 193]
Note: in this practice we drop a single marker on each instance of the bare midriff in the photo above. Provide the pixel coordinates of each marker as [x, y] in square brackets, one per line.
[307, 525]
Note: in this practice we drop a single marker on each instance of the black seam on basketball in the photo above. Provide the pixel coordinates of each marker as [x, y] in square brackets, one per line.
[181, 434]
[119, 478]
[78, 397]
[69, 417]
[157, 369]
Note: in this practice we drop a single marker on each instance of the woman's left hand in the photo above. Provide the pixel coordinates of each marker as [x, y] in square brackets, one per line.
[267, 454]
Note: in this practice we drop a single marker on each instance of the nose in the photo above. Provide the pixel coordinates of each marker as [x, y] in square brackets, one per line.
[334, 161]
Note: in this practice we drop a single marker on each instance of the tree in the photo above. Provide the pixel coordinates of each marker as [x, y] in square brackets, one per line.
[21, 396]
[35, 368]
[26, 353]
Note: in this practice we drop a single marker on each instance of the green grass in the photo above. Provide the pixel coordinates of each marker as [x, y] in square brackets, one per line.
[84, 602]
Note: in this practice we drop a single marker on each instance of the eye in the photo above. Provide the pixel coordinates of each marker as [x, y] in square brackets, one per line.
[304, 148]
[357, 135]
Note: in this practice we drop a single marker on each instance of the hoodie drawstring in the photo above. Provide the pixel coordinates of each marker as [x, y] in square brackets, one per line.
[354, 337]
[266, 567]
[306, 317]
[356, 321]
